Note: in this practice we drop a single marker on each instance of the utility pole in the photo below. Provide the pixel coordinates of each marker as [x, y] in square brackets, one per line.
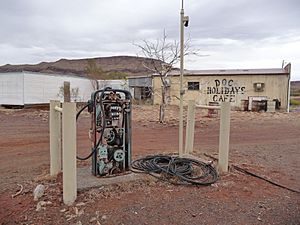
[183, 22]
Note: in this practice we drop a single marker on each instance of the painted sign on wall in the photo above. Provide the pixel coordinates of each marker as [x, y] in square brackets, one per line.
[225, 90]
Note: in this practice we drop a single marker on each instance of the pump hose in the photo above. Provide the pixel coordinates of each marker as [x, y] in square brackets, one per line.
[176, 170]
[77, 116]
[81, 110]
[103, 122]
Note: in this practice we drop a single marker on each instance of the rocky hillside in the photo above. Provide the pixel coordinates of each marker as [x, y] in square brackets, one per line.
[128, 65]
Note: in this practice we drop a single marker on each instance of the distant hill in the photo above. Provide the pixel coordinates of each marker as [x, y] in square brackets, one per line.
[129, 65]
[295, 88]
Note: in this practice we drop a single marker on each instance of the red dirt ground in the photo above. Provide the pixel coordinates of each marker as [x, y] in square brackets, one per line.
[265, 143]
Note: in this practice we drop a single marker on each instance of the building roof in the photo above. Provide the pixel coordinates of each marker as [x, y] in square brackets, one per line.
[140, 76]
[273, 71]
[229, 72]
[45, 74]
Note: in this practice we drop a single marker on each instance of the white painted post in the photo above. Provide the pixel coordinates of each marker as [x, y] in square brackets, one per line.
[69, 153]
[55, 138]
[224, 136]
[190, 128]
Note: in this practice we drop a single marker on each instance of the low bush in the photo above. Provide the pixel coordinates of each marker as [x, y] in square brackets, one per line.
[294, 102]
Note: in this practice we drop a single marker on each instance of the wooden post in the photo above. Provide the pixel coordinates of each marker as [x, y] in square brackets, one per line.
[67, 91]
[190, 128]
[55, 138]
[69, 153]
[224, 136]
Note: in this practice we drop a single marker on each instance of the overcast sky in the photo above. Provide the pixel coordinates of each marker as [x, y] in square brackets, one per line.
[232, 33]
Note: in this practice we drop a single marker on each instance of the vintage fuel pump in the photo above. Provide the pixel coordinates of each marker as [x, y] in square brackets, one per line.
[110, 131]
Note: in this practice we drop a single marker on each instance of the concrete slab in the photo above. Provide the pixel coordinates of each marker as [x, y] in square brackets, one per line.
[85, 179]
[196, 157]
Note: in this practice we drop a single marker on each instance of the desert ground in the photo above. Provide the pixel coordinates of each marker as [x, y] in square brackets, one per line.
[267, 144]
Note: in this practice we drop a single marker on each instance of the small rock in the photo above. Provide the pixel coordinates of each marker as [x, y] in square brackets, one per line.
[38, 192]
[63, 210]
[258, 218]
[69, 217]
[78, 223]
[43, 203]
[93, 219]
[104, 217]
[80, 204]
[81, 212]
[214, 185]
[38, 207]
[194, 215]
[246, 189]
[76, 210]
[98, 223]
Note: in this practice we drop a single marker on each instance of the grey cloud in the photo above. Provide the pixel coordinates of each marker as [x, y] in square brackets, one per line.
[238, 19]
[43, 30]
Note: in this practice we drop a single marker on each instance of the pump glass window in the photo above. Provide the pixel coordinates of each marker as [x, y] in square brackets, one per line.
[193, 86]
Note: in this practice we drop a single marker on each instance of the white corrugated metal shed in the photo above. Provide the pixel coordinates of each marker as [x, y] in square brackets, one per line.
[22, 88]
[11, 89]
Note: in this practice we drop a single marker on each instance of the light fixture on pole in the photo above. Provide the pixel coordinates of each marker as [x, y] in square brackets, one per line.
[184, 21]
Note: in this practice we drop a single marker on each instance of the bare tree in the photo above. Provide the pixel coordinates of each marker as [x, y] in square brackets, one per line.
[94, 73]
[163, 55]
[74, 94]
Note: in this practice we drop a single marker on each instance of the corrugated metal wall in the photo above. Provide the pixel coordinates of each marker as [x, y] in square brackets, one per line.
[11, 89]
[23, 88]
[140, 82]
[41, 88]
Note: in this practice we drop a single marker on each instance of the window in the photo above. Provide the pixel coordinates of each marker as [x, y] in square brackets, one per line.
[146, 92]
[193, 86]
[259, 87]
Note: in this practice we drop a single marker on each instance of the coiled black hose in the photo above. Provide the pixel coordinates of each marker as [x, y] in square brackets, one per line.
[176, 170]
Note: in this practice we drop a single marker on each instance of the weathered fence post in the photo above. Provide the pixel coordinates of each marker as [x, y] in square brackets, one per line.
[224, 136]
[69, 153]
[67, 91]
[55, 138]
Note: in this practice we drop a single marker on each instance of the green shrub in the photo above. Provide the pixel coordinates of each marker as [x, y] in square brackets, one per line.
[295, 92]
[116, 75]
[294, 102]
